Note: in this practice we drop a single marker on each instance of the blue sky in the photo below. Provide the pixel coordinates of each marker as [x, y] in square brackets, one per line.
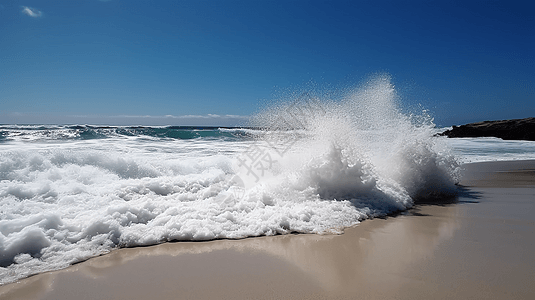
[122, 62]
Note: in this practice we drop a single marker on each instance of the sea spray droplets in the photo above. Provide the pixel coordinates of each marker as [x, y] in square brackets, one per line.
[363, 140]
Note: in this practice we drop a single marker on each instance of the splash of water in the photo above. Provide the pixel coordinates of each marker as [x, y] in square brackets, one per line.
[360, 148]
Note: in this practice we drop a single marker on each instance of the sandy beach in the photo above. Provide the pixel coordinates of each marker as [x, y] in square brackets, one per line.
[479, 246]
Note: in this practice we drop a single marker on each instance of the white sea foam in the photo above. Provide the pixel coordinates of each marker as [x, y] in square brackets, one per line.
[471, 150]
[317, 167]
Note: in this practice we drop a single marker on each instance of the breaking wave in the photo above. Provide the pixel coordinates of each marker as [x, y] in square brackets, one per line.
[308, 165]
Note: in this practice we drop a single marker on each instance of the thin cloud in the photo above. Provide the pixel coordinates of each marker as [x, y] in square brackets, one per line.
[124, 120]
[32, 12]
[208, 116]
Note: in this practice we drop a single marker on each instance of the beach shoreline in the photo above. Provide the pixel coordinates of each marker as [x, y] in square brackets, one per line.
[478, 247]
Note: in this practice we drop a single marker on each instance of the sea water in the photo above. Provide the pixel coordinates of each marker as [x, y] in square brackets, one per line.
[471, 150]
[305, 165]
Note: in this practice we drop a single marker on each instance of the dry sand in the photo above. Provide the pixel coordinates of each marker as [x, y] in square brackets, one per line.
[480, 246]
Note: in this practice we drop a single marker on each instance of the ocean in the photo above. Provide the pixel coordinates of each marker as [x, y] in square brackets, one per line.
[72, 192]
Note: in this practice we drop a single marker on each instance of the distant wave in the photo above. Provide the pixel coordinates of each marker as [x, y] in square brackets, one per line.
[88, 132]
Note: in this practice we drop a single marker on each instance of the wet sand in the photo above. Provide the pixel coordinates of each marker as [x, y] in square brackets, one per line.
[480, 246]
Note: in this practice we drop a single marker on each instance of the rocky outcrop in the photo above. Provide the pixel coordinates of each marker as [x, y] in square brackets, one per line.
[519, 129]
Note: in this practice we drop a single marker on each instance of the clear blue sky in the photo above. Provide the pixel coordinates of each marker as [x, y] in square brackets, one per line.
[206, 62]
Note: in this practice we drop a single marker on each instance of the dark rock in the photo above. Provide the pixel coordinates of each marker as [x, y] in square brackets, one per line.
[519, 129]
